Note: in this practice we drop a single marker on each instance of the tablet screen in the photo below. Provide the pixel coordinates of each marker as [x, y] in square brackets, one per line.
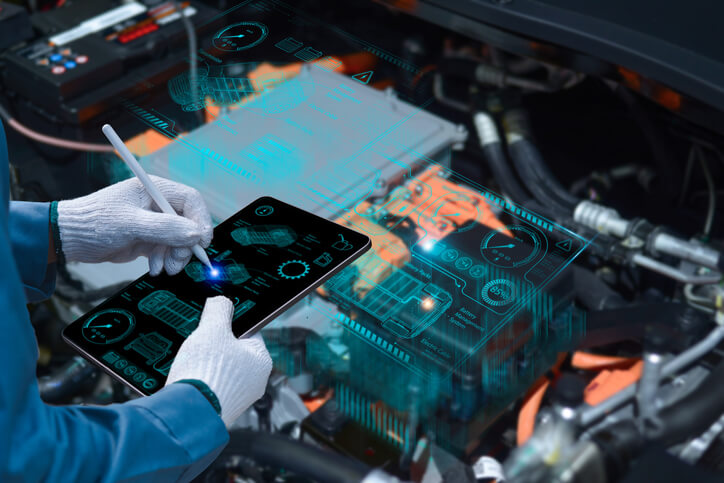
[264, 258]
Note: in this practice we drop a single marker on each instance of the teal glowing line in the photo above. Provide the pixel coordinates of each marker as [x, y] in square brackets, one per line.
[392, 128]
[364, 334]
[483, 189]
[386, 55]
[395, 161]
[227, 12]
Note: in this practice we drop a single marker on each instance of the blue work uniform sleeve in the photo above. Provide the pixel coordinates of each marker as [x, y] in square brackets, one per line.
[28, 225]
[169, 436]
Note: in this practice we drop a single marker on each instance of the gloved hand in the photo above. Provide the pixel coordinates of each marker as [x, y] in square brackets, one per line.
[121, 222]
[236, 370]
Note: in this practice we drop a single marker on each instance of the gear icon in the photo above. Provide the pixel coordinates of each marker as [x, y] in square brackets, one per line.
[293, 269]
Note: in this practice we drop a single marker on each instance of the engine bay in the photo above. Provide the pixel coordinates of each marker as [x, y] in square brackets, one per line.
[543, 298]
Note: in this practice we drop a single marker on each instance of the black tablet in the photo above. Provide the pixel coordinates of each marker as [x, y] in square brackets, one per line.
[265, 258]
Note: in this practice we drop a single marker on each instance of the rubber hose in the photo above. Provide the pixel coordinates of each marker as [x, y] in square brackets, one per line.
[492, 148]
[279, 451]
[498, 163]
[539, 180]
[535, 159]
[522, 147]
[531, 181]
[695, 412]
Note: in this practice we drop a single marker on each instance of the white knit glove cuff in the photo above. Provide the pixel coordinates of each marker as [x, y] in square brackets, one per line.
[236, 370]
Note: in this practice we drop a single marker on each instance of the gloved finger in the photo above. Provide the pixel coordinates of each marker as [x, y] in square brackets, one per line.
[256, 338]
[155, 259]
[217, 315]
[130, 252]
[256, 347]
[160, 228]
[189, 203]
[174, 265]
[182, 253]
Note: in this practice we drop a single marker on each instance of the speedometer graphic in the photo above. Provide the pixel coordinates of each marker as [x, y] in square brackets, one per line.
[503, 251]
[108, 326]
[240, 36]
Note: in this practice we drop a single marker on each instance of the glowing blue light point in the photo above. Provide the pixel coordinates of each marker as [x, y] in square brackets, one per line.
[428, 245]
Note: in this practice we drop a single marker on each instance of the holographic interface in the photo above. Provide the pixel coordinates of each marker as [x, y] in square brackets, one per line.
[139, 330]
[464, 296]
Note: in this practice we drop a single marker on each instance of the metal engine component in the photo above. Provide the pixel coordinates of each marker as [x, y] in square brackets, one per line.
[278, 146]
[601, 218]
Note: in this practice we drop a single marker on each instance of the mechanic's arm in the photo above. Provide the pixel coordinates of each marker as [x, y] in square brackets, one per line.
[170, 436]
[115, 224]
[29, 230]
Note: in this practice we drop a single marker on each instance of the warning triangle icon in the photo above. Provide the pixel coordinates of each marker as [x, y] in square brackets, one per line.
[363, 77]
[565, 245]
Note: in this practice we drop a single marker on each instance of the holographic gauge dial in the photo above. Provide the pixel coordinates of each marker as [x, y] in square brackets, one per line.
[240, 36]
[498, 292]
[108, 326]
[503, 251]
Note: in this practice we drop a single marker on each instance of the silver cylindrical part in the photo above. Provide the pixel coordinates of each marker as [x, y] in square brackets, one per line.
[674, 273]
[485, 126]
[648, 387]
[379, 476]
[685, 250]
[601, 218]
[593, 413]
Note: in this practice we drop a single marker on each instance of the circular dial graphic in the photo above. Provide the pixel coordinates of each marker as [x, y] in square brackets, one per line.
[293, 269]
[498, 292]
[503, 251]
[264, 210]
[240, 36]
[108, 326]
[450, 255]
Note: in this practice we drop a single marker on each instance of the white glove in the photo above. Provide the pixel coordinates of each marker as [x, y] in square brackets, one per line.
[236, 370]
[121, 222]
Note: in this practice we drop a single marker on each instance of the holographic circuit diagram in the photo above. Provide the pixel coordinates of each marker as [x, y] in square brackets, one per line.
[275, 235]
[153, 346]
[173, 312]
[405, 305]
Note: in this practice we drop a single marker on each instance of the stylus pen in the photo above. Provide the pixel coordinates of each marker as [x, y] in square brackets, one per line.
[147, 183]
